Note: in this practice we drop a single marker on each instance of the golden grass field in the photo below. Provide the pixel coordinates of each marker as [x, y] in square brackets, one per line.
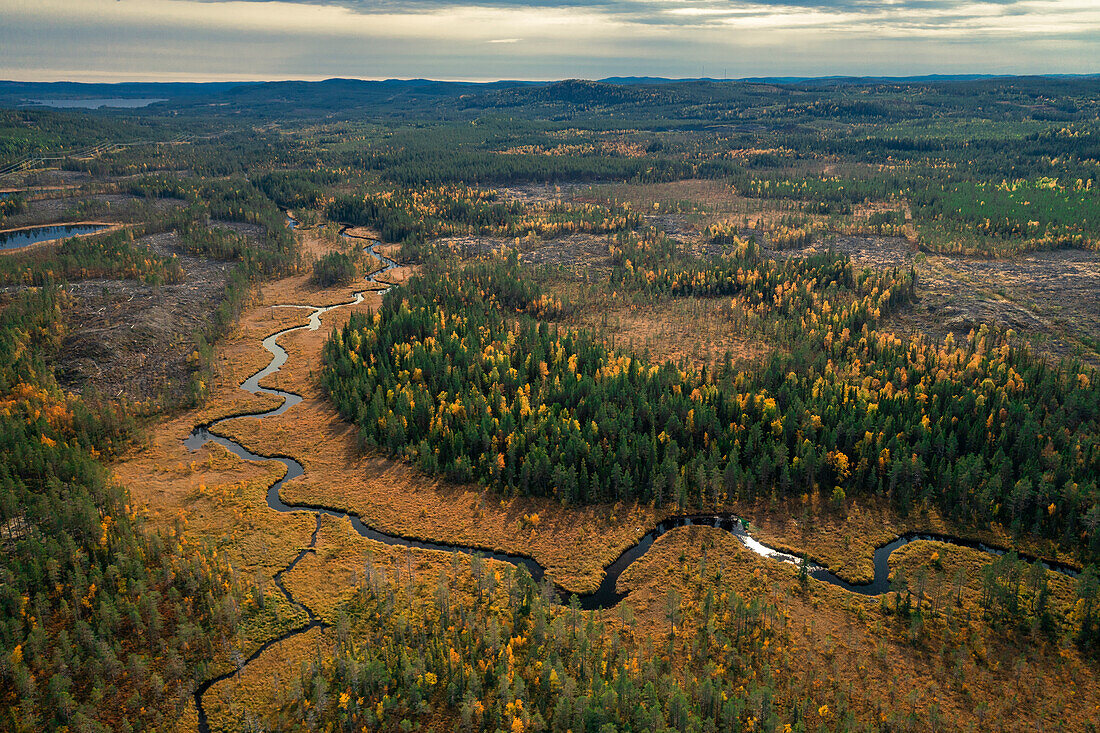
[262, 684]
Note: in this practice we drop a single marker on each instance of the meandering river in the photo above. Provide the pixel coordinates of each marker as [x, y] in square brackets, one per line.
[605, 596]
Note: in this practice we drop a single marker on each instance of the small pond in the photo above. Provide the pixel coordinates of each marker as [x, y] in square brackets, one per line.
[25, 237]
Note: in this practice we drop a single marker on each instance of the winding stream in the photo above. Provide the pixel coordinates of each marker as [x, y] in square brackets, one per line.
[605, 596]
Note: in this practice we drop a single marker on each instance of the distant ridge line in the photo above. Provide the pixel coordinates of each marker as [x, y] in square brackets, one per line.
[175, 89]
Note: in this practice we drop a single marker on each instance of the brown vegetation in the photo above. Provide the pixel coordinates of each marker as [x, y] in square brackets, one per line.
[238, 702]
[695, 331]
[955, 668]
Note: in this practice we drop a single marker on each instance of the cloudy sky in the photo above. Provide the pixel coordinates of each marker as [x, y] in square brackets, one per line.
[154, 40]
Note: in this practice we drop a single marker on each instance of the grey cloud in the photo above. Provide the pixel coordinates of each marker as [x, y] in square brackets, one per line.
[879, 38]
[641, 8]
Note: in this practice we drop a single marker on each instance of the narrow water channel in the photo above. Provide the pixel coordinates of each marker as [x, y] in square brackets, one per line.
[606, 596]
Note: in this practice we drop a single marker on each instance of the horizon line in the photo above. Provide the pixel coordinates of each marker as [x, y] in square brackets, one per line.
[319, 79]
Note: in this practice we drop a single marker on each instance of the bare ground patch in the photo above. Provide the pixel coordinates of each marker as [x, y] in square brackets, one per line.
[1049, 298]
[694, 331]
[580, 253]
[77, 206]
[865, 250]
[126, 338]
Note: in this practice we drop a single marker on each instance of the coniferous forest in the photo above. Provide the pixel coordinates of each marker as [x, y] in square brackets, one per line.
[455, 372]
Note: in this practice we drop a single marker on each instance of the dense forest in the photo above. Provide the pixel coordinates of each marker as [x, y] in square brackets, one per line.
[457, 373]
[416, 215]
[335, 268]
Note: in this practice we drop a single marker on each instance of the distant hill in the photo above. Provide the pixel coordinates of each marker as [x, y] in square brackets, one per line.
[699, 99]
[627, 80]
[126, 90]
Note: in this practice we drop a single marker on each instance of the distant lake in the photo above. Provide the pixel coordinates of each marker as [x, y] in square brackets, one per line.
[94, 103]
[25, 237]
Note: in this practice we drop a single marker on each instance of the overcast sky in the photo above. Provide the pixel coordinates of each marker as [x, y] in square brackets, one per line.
[155, 40]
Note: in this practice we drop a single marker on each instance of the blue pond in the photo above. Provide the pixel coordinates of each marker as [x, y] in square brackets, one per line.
[24, 237]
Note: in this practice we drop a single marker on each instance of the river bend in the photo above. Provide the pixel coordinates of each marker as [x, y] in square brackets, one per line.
[605, 596]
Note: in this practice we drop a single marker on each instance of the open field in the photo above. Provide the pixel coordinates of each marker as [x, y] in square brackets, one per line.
[238, 702]
[694, 331]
